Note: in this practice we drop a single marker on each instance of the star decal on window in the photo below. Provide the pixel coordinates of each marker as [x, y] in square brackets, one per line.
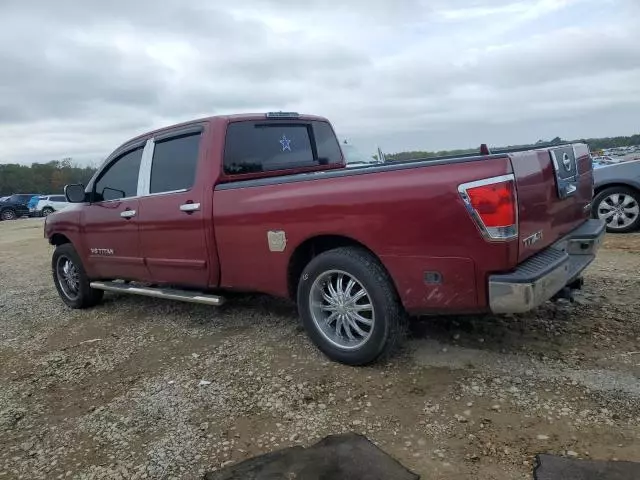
[285, 142]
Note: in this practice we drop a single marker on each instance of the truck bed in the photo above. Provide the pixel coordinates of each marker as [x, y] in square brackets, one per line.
[409, 213]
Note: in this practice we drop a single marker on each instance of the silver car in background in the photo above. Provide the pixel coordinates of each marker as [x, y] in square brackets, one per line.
[47, 204]
[617, 195]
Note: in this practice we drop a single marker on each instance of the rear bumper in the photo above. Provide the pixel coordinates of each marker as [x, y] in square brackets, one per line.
[542, 276]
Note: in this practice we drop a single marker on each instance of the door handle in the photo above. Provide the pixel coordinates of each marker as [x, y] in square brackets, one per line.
[189, 207]
[128, 214]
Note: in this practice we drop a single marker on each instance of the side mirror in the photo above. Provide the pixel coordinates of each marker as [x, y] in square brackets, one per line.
[75, 193]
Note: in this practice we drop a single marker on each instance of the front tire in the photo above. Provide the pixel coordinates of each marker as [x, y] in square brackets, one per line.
[349, 306]
[71, 280]
[619, 207]
[8, 214]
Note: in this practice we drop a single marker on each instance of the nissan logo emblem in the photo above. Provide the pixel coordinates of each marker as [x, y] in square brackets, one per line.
[566, 161]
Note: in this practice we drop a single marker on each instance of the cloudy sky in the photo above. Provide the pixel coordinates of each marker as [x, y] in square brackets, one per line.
[80, 77]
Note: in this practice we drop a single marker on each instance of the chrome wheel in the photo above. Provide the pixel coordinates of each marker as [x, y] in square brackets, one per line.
[342, 309]
[68, 277]
[46, 212]
[619, 210]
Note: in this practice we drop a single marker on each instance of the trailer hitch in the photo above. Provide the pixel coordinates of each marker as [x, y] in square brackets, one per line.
[566, 293]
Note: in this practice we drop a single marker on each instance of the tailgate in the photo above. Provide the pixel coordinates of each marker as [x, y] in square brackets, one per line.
[555, 188]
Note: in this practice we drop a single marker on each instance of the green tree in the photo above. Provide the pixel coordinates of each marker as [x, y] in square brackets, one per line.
[49, 177]
[594, 144]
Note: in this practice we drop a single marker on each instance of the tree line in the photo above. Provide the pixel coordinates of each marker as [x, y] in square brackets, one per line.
[51, 177]
[44, 178]
[594, 144]
[612, 142]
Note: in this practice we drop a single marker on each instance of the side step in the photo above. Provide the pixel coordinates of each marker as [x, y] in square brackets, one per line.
[167, 293]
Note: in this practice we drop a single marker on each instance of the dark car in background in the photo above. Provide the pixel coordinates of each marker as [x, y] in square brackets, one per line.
[16, 206]
[617, 195]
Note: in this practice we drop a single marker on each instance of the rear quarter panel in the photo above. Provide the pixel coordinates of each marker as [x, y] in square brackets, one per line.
[412, 219]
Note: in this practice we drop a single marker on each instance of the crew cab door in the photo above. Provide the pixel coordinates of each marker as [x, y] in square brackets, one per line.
[173, 222]
[110, 221]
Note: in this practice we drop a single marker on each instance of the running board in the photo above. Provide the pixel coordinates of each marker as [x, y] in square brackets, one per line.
[167, 293]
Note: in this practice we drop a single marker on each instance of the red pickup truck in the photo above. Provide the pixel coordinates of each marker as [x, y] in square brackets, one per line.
[264, 203]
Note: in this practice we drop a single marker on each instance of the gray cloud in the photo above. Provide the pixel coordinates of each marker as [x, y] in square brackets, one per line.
[81, 77]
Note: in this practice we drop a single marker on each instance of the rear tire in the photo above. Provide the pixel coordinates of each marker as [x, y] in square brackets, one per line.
[71, 280]
[46, 211]
[8, 214]
[619, 207]
[354, 332]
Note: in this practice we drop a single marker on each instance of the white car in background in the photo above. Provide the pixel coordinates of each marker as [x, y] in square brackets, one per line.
[355, 158]
[49, 204]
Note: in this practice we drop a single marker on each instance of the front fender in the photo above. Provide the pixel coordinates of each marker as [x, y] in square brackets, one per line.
[66, 227]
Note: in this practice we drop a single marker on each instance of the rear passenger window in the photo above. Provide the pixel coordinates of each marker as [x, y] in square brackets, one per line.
[58, 198]
[174, 163]
[253, 147]
[326, 143]
[120, 180]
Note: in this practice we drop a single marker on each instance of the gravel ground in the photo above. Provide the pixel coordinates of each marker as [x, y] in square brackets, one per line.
[122, 390]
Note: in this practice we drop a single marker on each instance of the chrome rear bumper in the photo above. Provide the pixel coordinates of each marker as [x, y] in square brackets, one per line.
[540, 277]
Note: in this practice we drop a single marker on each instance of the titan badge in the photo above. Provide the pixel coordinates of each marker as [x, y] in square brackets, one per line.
[532, 239]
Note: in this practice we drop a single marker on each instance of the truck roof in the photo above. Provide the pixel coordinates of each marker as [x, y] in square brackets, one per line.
[236, 117]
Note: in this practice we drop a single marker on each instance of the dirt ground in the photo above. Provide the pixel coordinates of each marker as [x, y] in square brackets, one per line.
[115, 391]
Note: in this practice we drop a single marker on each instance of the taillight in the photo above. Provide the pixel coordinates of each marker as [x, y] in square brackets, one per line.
[493, 204]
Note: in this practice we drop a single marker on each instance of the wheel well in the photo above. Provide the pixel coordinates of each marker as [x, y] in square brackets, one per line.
[58, 239]
[311, 248]
[611, 185]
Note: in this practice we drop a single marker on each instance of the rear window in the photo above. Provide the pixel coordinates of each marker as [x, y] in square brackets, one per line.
[253, 147]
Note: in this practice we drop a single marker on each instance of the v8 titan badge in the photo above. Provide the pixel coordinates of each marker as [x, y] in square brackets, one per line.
[532, 239]
[277, 240]
[102, 251]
